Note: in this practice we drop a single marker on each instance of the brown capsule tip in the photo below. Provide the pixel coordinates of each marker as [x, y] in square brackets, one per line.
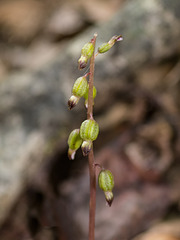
[86, 147]
[72, 102]
[109, 198]
[82, 65]
[109, 202]
[82, 62]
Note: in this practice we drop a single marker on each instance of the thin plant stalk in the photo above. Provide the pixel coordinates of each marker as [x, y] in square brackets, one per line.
[91, 82]
[89, 129]
[92, 174]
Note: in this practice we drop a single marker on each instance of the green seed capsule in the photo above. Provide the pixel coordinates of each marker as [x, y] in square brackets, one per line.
[106, 180]
[87, 92]
[86, 54]
[106, 183]
[80, 86]
[89, 130]
[104, 48]
[86, 96]
[87, 50]
[74, 140]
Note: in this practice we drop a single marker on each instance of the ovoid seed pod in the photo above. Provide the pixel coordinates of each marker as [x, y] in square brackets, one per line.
[106, 46]
[106, 183]
[86, 54]
[89, 130]
[80, 87]
[86, 96]
[87, 50]
[74, 142]
[106, 180]
[87, 92]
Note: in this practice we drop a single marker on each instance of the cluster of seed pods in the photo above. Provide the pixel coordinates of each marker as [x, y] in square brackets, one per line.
[88, 132]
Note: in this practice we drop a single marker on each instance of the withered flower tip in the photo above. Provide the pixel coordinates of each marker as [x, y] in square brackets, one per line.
[109, 198]
[86, 147]
[72, 102]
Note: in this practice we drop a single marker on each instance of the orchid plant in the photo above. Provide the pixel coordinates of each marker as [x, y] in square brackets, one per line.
[89, 129]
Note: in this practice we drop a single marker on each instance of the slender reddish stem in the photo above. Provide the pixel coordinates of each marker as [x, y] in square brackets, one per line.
[92, 202]
[92, 174]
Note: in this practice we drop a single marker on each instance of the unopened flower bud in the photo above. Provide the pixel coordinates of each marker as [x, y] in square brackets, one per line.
[106, 183]
[86, 147]
[89, 130]
[74, 142]
[72, 102]
[106, 46]
[80, 87]
[86, 54]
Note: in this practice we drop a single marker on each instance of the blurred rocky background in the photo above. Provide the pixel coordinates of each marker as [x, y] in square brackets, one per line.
[43, 195]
